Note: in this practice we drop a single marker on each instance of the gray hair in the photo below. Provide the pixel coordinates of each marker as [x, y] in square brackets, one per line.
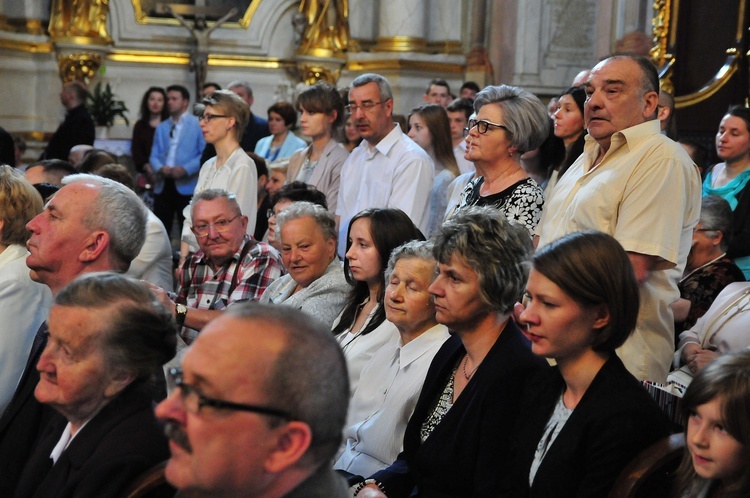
[415, 249]
[140, 335]
[308, 379]
[301, 209]
[384, 88]
[495, 249]
[716, 215]
[243, 84]
[523, 114]
[212, 194]
[118, 211]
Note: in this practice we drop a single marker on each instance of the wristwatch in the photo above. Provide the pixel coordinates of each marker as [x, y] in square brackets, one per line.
[180, 314]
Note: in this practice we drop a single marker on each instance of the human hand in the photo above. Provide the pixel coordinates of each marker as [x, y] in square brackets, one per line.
[178, 172]
[166, 171]
[689, 352]
[702, 358]
[163, 296]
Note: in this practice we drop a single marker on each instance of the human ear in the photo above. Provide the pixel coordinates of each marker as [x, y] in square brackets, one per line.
[292, 444]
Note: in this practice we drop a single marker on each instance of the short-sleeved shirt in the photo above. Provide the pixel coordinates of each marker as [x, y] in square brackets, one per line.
[646, 194]
[200, 287]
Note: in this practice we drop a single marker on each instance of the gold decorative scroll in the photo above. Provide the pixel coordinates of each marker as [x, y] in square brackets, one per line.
[324, 28]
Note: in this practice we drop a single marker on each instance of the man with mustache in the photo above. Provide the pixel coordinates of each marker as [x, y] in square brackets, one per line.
[92, 224]
[388, 169]
[257, 408]
[638, 186]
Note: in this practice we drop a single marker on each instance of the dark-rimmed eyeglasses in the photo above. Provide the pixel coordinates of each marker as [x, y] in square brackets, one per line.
[366, 106]
[209, 117]
[482, 126]
[193, 400]
[220, 226]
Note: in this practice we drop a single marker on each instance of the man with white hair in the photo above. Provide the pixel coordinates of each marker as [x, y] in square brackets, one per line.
[91, 224]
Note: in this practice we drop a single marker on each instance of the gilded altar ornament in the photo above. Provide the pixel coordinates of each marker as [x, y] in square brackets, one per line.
[322, 27]
[80, 18]
[79, 67]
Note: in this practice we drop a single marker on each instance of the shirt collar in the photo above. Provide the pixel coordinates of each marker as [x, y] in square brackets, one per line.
[387, 143]
[419, 346]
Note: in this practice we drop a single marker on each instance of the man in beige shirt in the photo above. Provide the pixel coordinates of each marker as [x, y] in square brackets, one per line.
[638, 186]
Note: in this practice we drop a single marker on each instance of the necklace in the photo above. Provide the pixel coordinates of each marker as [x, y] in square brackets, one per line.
[469, 375]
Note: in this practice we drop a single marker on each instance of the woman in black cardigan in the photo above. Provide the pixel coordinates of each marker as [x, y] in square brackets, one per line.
[459, 432]
[584, 420]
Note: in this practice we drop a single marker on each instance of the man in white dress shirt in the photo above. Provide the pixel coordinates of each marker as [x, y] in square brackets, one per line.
[388, 169]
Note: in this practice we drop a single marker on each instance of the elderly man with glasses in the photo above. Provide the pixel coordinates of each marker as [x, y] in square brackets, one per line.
[258, 408]
[388, 169]
[230, 267]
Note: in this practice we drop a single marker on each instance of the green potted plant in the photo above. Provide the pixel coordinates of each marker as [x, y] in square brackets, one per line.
[104, 107]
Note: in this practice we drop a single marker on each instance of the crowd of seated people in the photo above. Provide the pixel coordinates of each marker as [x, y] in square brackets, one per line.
[304, 286]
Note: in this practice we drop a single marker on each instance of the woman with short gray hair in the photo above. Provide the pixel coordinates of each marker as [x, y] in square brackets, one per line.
[509, 122]
[459, 433]
[315, 283]
[708, 269]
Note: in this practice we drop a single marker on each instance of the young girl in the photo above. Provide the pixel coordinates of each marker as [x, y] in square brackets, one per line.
[430, 129]
[716, 410]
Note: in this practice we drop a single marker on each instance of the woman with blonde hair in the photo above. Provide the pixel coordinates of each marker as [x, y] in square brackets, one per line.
[24, 304]
[223, 122]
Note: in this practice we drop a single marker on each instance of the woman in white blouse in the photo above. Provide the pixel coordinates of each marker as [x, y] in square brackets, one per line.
[362, 329]
[391, 381]
[223, 123]
[24, 304]
[725, 327]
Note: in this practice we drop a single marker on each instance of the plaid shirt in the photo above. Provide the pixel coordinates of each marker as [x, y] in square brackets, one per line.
[200, 288]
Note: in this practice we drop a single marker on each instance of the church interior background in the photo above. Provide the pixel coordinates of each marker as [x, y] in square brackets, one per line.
[279, 45]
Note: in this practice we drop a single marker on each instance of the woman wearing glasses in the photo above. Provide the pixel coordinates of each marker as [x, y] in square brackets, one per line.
[509, 122]
[223, 123]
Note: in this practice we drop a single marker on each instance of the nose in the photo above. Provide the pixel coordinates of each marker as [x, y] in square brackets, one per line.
[212, 232]
[170, 408]
[697, 431]
[351, 253]
[593, 100]
[529, 316]
[33, 224]
[45, 360]
[395, 293]
[358, 112]
[294, 254]
[435, 287]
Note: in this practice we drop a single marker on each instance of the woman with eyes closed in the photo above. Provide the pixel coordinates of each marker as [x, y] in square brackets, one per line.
[223, 122]
[361, 328]
[582, 421]
[510, 121]
[570, 127]
[315, 283]
[731, 180]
